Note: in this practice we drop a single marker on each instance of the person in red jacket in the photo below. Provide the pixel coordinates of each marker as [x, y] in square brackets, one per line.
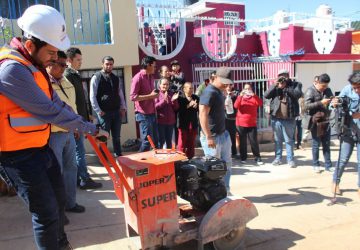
[247, 104]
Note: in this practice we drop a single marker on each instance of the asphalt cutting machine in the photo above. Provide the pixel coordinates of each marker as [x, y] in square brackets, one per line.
[148, 186]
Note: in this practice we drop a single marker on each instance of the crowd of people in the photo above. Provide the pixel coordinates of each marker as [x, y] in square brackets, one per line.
[46, 163]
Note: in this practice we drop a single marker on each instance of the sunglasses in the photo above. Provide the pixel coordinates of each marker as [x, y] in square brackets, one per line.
[63, 65]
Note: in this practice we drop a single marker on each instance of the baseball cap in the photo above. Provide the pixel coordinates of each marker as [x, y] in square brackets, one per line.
[225, 75]
[174, 62]
[283, 71]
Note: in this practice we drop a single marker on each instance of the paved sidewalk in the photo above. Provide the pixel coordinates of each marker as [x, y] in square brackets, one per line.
[292, 205]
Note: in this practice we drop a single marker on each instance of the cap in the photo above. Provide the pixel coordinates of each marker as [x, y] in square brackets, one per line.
[283, 71]
[225, 75]
[174, 62]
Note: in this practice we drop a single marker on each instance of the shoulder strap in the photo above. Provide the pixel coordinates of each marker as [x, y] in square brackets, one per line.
[62, 89]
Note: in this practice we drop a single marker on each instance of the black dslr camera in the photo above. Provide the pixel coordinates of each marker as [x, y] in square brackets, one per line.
[281, 79]
[343, 115]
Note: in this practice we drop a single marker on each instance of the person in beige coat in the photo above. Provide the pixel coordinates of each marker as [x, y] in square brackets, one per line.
[62, 142]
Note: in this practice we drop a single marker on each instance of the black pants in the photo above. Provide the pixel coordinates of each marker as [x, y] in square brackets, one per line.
[231, 128]
[252, 133]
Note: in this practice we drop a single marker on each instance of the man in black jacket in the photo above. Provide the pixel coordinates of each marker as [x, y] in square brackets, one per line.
[74, 60]
[108, 102]
[317, 100]
[284, 108]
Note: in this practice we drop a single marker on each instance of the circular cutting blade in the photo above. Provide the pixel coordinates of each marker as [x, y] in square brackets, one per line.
[232, 241]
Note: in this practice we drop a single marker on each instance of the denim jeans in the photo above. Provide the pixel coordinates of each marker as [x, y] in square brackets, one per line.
[165, 135]
[63, 146]
[222, 151]
[36, 176]
[147, 124]
[325, 141]
[284, 130]
[111, 122]
[80, 159]
[346, 149]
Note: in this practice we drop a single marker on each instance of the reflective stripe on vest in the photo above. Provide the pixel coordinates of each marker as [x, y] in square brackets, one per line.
[24, 122]
[20, 129]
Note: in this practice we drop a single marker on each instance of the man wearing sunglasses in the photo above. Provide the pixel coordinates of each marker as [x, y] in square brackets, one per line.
[62, 142]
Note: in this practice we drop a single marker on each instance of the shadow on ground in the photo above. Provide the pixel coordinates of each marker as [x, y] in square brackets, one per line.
[271, 239]
[299, 196]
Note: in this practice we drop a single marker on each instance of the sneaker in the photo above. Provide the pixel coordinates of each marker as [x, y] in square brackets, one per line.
[276, 162]
[259, 161]
[90, 184]
[330, 169]
[292, 164]
[234, 156]
[243, 161]
[317, 169]
[76, 209]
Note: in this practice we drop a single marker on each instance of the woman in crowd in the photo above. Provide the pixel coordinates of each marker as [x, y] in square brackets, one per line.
[230, 114]
[177, 78]
[247, 104]
[166, 105]
[188, 121]
[164, 72]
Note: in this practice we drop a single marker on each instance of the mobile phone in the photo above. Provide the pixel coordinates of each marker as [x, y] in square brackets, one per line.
[156, 91]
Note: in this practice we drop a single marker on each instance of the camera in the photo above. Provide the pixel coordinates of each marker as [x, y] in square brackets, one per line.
[281, 79]
[156, 91]
[343, 120]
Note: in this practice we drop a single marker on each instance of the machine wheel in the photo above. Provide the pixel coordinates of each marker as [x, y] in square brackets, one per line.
[234, 240]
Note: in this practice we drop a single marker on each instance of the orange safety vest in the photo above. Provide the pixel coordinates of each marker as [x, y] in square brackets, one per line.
[18, 128]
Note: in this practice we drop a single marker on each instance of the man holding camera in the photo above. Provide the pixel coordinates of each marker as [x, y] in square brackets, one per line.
[317, 100]
[349, 131]
[284, 108]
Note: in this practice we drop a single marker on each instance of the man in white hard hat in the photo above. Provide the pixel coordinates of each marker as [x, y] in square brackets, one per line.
[28, 107]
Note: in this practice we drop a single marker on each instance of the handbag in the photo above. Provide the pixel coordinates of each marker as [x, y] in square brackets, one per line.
[320, 123]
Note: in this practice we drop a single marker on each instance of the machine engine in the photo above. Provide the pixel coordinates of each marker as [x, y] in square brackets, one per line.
[200, 181]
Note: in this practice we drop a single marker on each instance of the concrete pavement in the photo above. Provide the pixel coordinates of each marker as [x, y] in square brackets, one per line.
[292, 206]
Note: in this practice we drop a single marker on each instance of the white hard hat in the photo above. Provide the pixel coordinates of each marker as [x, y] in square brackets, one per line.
[46, 24]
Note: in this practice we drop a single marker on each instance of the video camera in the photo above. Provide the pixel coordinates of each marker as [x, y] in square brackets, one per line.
[343, 116]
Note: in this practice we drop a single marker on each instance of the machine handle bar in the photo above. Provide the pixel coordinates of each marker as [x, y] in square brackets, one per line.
[109, 162]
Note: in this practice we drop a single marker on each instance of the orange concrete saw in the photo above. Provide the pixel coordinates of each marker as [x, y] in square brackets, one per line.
[146, 184]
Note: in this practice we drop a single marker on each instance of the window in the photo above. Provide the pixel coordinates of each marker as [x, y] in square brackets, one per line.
[13, 9]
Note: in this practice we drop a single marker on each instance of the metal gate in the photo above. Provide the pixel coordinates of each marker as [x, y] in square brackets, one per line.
[259, 74]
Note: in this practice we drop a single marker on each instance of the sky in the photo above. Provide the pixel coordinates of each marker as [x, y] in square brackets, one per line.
[257, 9]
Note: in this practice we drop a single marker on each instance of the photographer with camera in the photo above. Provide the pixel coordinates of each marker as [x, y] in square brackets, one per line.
[349, 128]
[317, 100]
[284, 107]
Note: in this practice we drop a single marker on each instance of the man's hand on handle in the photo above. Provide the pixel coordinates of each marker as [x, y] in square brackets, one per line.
[102, 135]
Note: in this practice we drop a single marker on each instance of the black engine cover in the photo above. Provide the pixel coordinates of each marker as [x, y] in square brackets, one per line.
[210, 167]
[200, 181]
